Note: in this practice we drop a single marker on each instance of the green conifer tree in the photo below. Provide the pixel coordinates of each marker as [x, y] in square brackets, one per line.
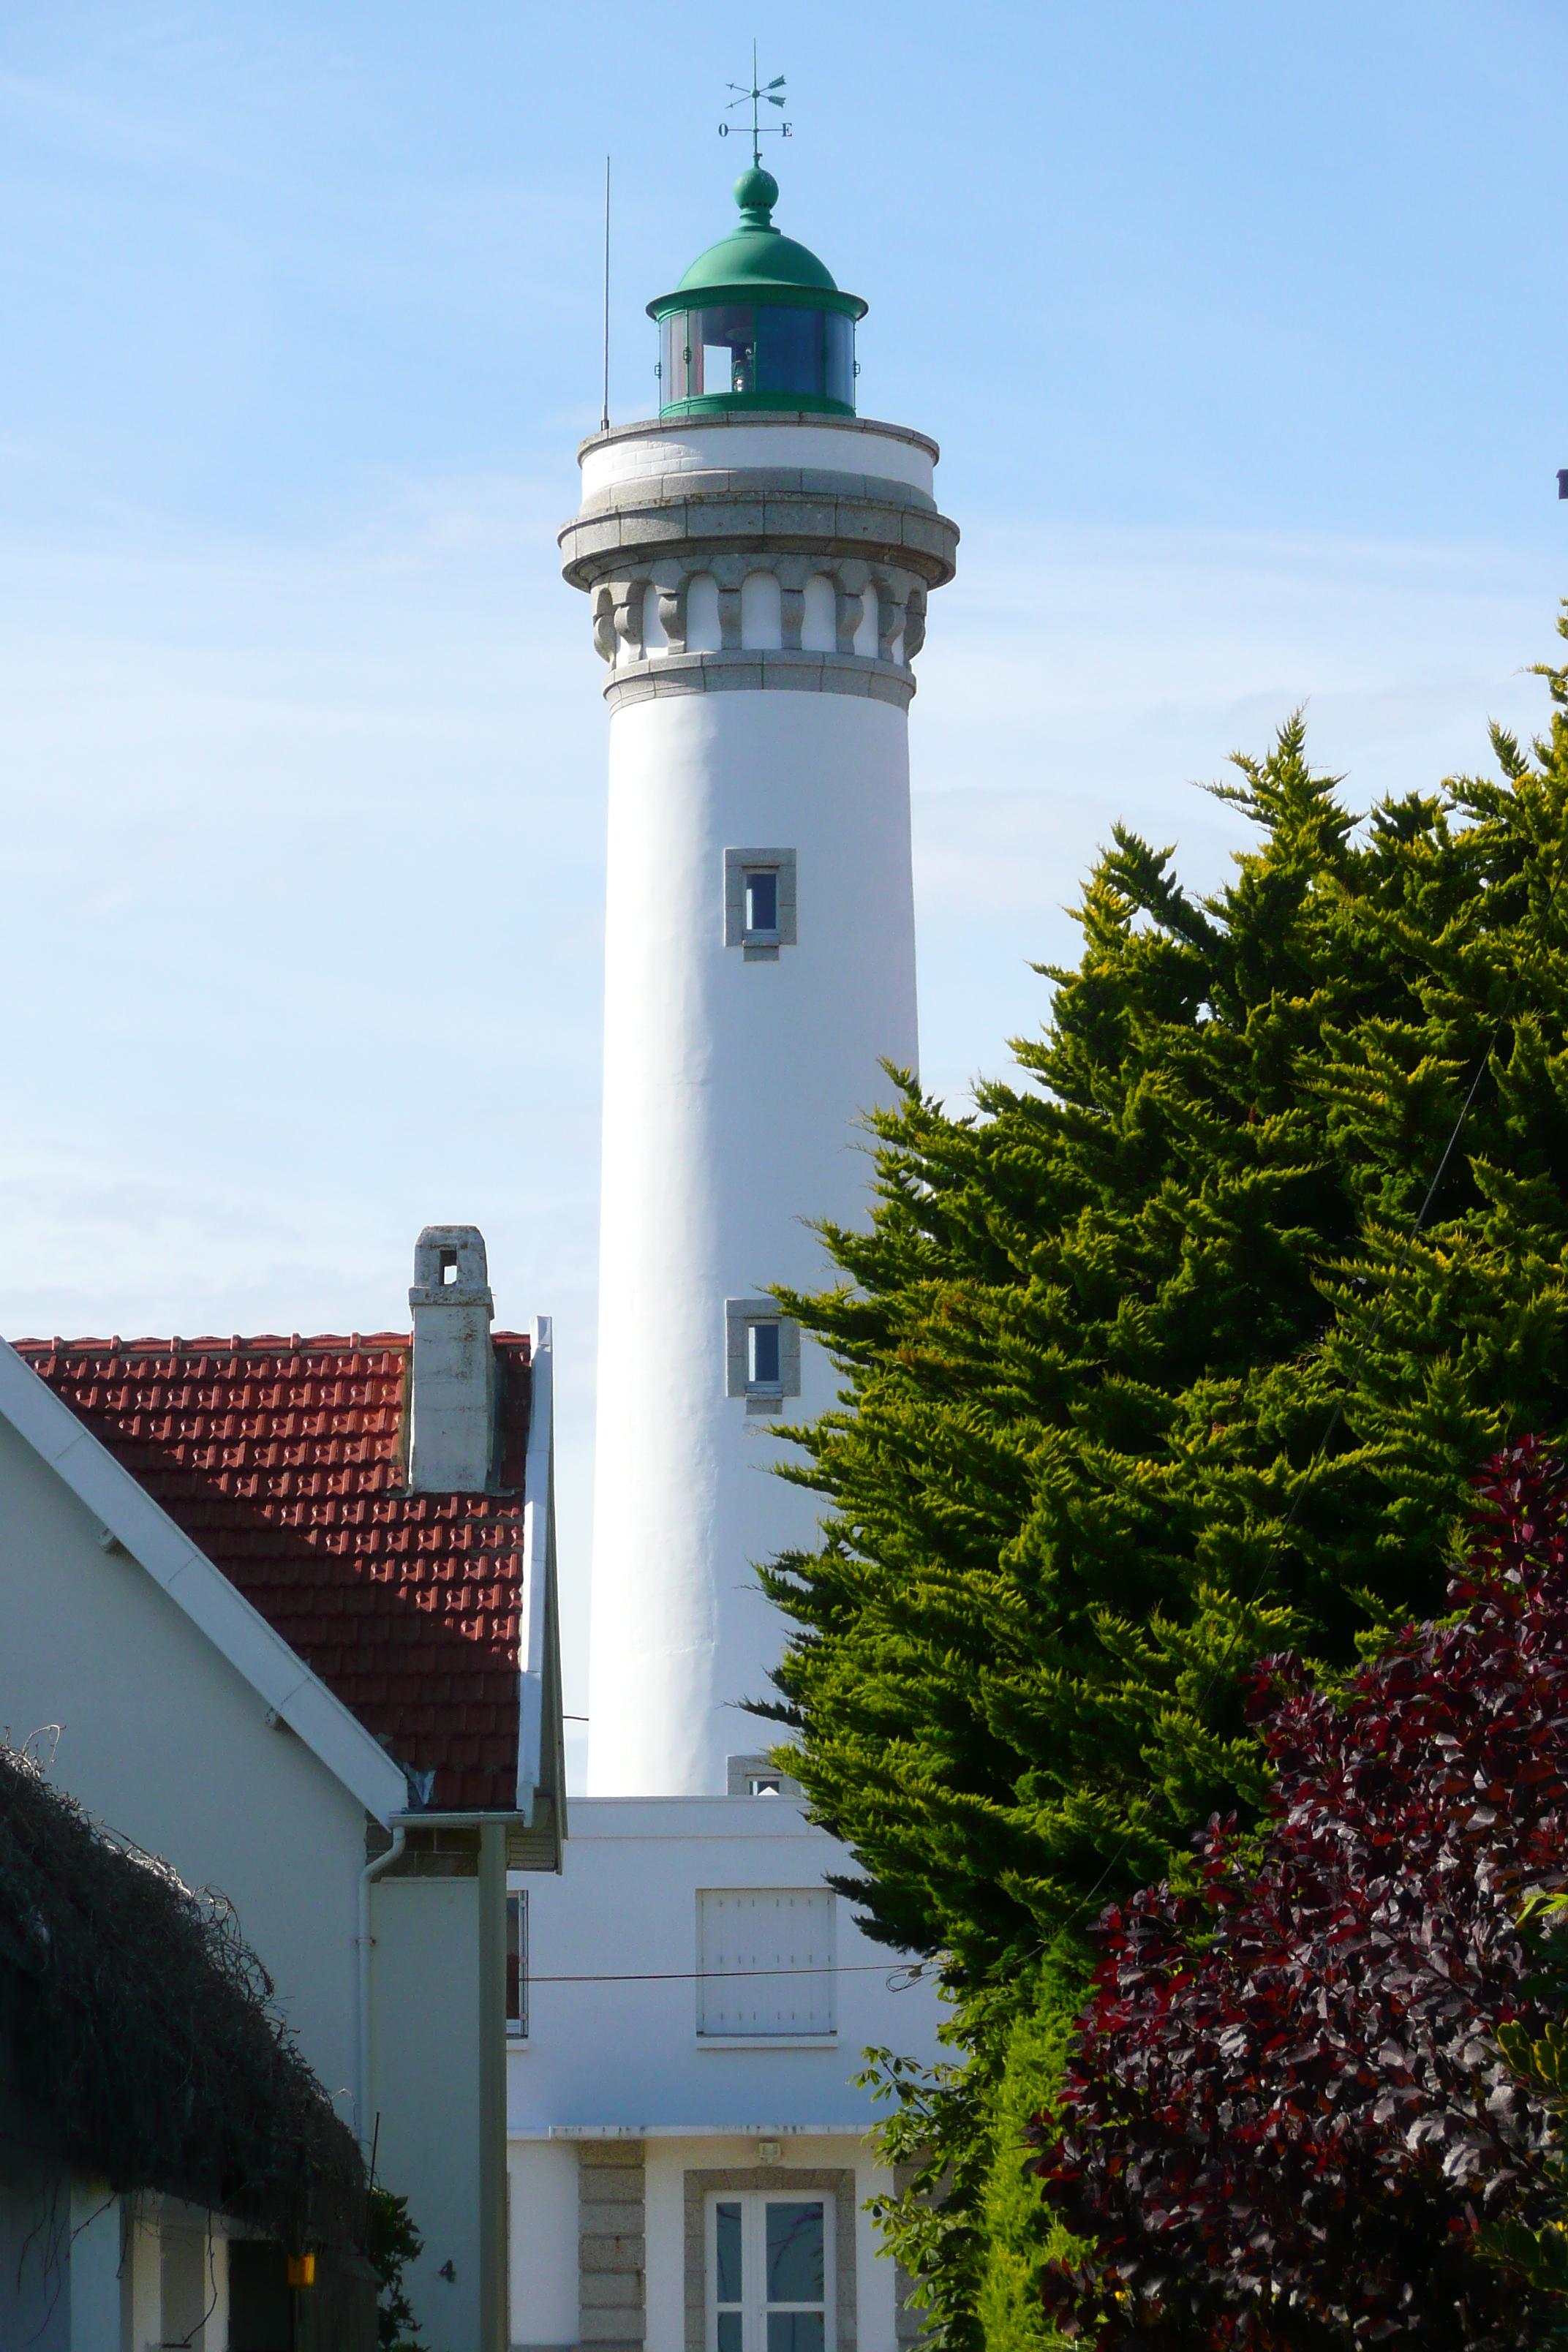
[1149, 1371]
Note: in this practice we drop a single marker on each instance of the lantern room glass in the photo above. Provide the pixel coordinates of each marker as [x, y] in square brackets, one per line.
[730, 348]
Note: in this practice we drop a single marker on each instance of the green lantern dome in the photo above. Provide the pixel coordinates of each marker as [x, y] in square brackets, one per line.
[757, 321]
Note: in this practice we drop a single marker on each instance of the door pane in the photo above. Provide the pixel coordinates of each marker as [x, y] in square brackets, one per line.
[796, 2272]
[729, 2331]
[727, 2248]
[795, 2331]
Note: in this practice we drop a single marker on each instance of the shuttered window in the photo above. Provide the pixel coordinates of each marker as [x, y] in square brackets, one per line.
[766, 1960]
[517, 1966]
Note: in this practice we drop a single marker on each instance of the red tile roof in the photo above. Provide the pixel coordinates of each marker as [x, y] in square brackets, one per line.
[285, 1460]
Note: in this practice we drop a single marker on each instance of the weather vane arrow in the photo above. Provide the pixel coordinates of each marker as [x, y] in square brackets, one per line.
[757, 98]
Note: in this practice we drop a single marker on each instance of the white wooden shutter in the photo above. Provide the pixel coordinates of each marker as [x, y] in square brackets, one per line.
[766, 1958]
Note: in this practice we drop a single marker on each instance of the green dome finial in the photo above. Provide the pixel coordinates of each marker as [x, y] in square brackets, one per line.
[757, 322]
[756, 193]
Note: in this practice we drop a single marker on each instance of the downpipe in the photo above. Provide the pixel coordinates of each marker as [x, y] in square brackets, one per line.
[364, 1942]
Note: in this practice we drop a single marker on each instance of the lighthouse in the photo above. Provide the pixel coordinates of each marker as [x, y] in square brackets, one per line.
[687, 2131]
[757, 561]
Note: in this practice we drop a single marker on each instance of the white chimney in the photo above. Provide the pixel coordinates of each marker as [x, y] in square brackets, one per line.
[452, 1408]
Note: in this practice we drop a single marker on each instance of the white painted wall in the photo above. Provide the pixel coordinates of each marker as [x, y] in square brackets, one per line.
[194, 2282]
[162, 1740]
[832, 444]
[732, 1096]
[83, 2269]
[424, 2026]
[96, 2225]
[627, 2053]
[819, 626]
[544, 2289]
[615, 2050]
[141, 2303]
[544, 2232]
[761, 623]
[34, 2290]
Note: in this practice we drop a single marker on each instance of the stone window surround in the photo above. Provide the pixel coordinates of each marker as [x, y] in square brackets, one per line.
[740, 1770]
[774, 2180]
[738, 864]
[739, 1313]
[618, 604]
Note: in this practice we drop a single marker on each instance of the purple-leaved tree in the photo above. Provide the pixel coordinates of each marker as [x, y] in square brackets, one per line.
[1287, 2116]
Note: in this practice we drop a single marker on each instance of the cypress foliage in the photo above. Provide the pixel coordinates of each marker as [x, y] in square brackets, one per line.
[1146, 1376]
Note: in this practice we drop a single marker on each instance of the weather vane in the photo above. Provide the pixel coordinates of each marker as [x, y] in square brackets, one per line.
[755, 98]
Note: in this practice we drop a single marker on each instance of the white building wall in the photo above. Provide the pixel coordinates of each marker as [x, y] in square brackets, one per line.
[544, 2311]
[424, 2062]
[665, 446]
[613, 2050]
[35, 2303]
[668, 2160]
[543, 2234]
[733, 1093]
[162, 1741]
[626, 2054]
[95, 2255]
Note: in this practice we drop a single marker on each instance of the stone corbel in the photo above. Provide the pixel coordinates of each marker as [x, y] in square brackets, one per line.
[915, 620]
[850, 585]
[729, 571]
[891, 619]
[670, 580]
[604, 625]
[628, 596]
[793, 573]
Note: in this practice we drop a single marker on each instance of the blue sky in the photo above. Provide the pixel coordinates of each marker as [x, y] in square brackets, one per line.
[1242, 330]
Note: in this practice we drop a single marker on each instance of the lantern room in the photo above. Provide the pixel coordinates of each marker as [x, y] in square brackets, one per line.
[756, 322]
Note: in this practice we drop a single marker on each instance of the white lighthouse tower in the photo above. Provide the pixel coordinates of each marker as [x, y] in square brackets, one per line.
[757, 560]
[693, 1997]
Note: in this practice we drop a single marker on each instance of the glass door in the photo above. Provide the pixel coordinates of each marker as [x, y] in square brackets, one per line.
[770, 2273]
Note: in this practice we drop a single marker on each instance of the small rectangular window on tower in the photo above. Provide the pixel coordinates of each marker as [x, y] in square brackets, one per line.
[762, 1354]
[762, 1372]
[760, 902]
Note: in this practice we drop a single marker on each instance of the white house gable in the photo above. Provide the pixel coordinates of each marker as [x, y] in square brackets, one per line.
[166, 1742]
